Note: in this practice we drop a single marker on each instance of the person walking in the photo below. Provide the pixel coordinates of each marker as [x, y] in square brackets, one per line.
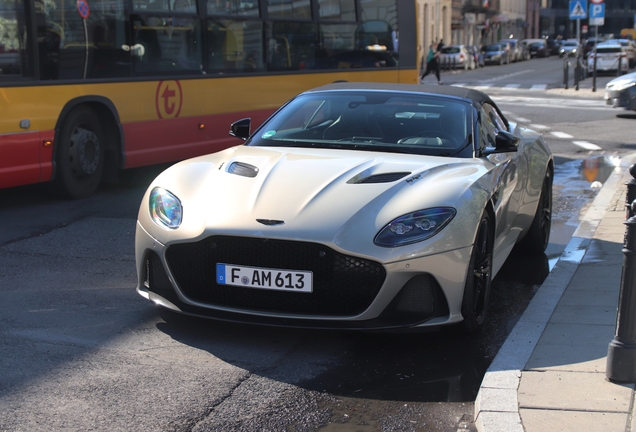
[432, 63]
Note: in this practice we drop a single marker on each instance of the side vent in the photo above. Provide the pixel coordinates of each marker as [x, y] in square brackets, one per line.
[379, 178]
[242, 169]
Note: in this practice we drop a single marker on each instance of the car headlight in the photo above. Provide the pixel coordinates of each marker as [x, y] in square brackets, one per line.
[414, 227]
[165, 208]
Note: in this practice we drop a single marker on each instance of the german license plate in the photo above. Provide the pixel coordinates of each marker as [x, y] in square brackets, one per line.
[264, 278]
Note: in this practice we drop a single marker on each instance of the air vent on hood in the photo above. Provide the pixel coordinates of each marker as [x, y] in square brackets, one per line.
[379, 178]
[243, 169]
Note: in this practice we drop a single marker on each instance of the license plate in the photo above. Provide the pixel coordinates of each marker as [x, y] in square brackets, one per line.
[264, 278]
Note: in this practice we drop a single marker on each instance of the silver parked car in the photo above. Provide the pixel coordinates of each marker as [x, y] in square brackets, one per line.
[355, 206]
[456, 57]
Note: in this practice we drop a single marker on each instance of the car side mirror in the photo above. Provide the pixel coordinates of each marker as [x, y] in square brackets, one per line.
[241, 128]
[505, 142]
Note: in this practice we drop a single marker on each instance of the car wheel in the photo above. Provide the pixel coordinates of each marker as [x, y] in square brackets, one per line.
[80, 154]
[479, 277]
[536, 240]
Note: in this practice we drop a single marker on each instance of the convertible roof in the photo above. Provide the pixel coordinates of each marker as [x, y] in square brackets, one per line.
[475, 96]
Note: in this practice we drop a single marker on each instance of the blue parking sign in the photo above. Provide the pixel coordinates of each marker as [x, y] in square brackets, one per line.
[578, 9]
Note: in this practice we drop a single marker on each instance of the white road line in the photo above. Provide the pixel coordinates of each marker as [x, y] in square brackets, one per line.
[586, 145]
[539, 126]
[538, 87]
[512, 86]
[522, 119]
[483, 87]
[561, 135]
[510, 75]
[459, 85]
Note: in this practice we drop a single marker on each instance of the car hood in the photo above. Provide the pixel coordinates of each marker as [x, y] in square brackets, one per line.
[330, 196]
[622, 81]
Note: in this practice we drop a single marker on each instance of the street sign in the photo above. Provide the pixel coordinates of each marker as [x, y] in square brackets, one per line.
[578, 9]
[597, 14]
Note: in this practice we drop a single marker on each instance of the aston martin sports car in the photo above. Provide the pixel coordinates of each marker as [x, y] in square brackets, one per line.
[357, 206]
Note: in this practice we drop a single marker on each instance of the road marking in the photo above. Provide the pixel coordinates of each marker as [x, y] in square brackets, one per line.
[561, 135]
[512, 86]
[522, 119]
[586, 145]
[539, 126]
[483, 87]
[538, 87]
[509, 75]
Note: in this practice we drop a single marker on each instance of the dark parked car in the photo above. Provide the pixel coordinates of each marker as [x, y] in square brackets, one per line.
[554, 45]
[538, 48]
[495, 54]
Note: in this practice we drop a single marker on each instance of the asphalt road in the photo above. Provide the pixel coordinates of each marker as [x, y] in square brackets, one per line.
[82, 351]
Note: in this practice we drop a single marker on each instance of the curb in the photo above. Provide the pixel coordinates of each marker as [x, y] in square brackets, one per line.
[496, 405]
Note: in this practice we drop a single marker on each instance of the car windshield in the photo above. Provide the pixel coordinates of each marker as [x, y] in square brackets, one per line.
[570, 43]
[495, 47]
[450, 50]
[372, 121]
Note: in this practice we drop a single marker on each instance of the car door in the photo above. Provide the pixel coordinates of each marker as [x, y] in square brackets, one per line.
[507, 179]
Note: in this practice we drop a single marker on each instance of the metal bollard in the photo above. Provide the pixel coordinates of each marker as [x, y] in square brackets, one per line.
[594, 74]
[621, 353]
[577, 73]
[620, 65]
[631, 193]
[566, 73]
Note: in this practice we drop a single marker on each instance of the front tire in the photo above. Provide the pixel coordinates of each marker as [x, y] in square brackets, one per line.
[536, 240]
[479, 277]
[80, 154]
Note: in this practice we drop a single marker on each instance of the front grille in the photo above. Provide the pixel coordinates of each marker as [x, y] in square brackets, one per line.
[342, 285]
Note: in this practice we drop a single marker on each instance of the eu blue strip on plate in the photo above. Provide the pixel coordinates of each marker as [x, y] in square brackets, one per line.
[220, 274]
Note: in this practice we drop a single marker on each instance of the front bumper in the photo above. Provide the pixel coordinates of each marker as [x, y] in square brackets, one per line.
[364, 294]
[625, 98]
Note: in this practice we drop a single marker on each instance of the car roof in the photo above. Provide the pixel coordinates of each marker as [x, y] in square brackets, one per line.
[476, 97]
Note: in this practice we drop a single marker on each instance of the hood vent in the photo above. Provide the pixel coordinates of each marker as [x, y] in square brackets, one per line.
[243, 169]
[379, 178]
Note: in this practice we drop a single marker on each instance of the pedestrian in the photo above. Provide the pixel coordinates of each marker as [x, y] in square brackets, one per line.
[432, 63]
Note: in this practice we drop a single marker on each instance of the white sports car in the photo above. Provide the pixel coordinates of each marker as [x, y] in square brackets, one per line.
[355, 206]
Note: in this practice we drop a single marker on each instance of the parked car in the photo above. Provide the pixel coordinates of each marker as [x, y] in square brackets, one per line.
[456, 57]
[589, 45]
[554, 45]
[478, 55]
[516, 52]
[621, 92]
[355, 206]
[570, 48]
[512, 57]
[608, 56]
[539, 49]
[495, 54]
[629, 48]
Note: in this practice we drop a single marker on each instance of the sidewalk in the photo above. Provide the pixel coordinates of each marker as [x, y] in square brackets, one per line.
[550, 373]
